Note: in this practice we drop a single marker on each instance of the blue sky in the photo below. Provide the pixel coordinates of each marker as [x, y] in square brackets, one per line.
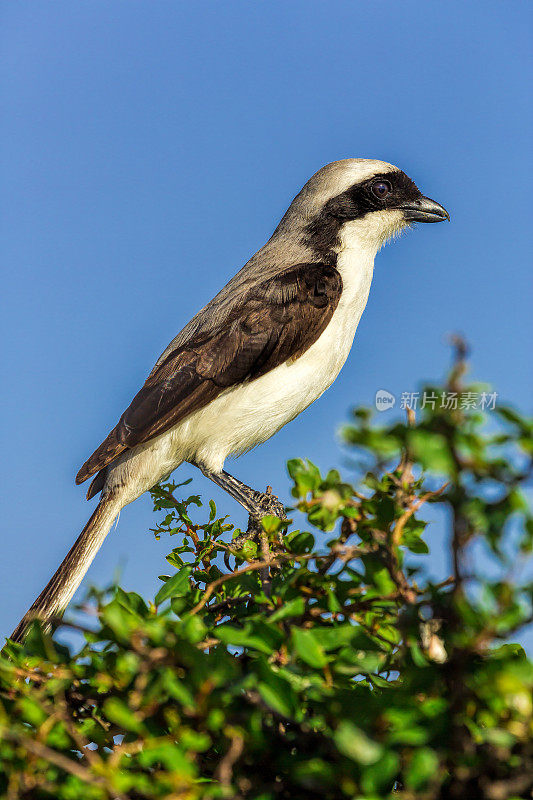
[149, 148]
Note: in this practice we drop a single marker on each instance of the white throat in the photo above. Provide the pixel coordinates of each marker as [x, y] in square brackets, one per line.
[367, 235]
[355, 262]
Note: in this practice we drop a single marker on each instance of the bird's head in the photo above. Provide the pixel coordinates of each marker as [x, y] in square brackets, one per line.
[358, 200]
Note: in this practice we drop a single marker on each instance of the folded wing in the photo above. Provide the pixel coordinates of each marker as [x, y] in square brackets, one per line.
[272, 322]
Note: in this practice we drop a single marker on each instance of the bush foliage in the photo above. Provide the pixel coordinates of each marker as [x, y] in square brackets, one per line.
[315, 663]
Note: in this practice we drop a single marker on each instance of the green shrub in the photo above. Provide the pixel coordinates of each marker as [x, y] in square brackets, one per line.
[321, 663]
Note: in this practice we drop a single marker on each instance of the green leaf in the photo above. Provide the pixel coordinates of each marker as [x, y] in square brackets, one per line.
[194, 629]
[132, 602]
[306, 477]
[422, 767]
[379, 776]
[308, 648]
[413, 542]
[257, 635]
[378, 575]
[118, 712]
[32, 712]
[177, 689]
[169, 754]
[432, 451]
[271, 524]
[119, 619]
[355, 744]
[333, 604]
[277, 692]
[176, 586]
[332, 638]
[249, 550]
[515, 418]
[291, 608]
[300, 542]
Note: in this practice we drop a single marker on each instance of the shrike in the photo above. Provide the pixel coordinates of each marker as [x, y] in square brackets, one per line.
[268, 345]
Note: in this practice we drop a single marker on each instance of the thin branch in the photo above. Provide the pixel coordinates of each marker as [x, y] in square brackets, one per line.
[58, 759]
[224, 771]
[344, 554]
[400, 525]
[212, 587]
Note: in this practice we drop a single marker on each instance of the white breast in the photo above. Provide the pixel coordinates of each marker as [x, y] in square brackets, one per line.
[247, 415]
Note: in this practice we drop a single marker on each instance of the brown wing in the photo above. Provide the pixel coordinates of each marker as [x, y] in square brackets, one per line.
[272, 322]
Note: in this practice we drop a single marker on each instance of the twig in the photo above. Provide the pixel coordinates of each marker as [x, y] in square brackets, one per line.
[345, 554]
[168, 495]
[400, 525]
[43, 751]
[211, 588]
[224, 771]
[265, 552]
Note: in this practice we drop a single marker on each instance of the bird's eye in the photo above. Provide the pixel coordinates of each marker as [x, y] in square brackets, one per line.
[381, 189]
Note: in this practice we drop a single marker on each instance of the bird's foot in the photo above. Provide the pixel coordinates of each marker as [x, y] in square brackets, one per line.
[258, 505]
[263, 503]
[268, 503]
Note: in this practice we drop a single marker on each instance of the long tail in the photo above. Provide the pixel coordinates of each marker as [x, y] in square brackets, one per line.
[59, 591]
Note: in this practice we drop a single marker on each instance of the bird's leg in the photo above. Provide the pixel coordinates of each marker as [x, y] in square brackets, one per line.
[257, 504]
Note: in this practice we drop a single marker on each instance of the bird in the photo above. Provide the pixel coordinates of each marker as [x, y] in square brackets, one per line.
[269, 344]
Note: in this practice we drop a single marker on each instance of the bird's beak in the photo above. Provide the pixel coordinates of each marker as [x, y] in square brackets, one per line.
[424, 210]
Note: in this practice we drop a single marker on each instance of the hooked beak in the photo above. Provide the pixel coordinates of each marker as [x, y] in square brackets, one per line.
[424, 210]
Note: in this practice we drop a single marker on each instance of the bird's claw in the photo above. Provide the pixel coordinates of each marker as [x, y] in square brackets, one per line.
[268, 503]
[265, 504]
